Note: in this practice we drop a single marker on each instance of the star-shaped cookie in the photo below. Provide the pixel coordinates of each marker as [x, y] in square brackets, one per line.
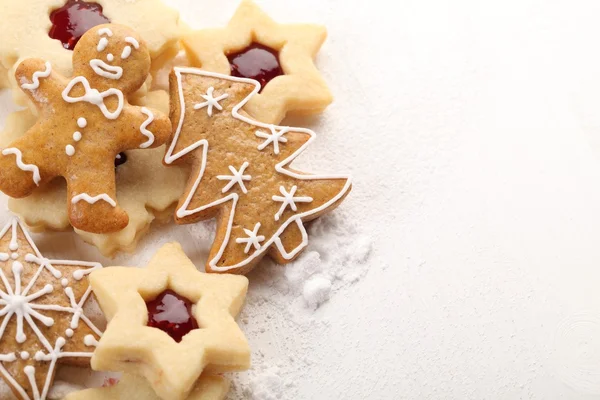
[134, 387]
[171, 367]
[297, 88]
[41, 309]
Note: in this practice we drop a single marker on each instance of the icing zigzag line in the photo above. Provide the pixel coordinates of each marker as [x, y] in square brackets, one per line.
[36, 78]
[24, 167]
[93, 200]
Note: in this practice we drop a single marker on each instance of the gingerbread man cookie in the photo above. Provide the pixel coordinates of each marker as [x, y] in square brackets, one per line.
[50, 29]
[84, 124]
[42, 311]
[241, 172]
[146, 189]
[170, 323]
[279, 56]
[133, 387]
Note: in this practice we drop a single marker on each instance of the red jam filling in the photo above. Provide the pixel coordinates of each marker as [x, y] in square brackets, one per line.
[256, 62]
[172, 314]
[120, 159]
[72, 20]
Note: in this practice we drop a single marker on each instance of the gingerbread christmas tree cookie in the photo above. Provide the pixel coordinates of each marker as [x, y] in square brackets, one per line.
[43, 323]
[241, 172]
[84, 123]
[134, 387]
[170, 323]
[50, 29]
[279, 56]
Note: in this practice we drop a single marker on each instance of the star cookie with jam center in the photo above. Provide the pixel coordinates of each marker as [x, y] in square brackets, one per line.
[280, 57]
[170, 323]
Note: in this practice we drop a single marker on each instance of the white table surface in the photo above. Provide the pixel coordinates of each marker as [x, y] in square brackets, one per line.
[472, 129]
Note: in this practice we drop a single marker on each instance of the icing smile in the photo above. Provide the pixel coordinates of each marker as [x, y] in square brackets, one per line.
[105, 70]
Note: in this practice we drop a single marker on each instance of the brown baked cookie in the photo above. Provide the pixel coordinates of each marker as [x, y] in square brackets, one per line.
[41, 311]
[84, 123]
[241, 174]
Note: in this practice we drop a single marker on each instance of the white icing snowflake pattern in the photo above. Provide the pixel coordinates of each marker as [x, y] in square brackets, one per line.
[253, 239]
[237, 177]
[211, 101]
[28, 308]
[275, 137]
[288, 199]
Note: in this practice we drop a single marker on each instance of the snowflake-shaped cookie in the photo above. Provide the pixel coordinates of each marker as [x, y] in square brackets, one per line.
[26, 25]
[134, 387]
[131, 345]
[41, 309]
[294, 86]
[138, 191]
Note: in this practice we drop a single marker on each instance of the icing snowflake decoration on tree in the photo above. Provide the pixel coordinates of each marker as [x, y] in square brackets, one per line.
[38, 297]
[242, 174]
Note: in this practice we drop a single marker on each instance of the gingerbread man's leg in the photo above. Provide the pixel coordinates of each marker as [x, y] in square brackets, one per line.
[93, 198]
[21, 171]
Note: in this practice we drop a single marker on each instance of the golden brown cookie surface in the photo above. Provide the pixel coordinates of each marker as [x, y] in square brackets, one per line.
[241, 173]
[41, 308]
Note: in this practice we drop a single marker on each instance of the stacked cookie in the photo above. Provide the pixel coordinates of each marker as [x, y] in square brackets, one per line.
[105, 150]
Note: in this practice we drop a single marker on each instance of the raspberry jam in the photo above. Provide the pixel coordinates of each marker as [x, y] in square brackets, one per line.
[172, 314]
[120, 159]
[256, 62]
[72, 20]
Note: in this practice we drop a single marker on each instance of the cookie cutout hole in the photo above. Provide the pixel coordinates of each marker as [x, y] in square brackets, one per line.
[257, 62]
[120, 159]
[172, 314]
[73, 19]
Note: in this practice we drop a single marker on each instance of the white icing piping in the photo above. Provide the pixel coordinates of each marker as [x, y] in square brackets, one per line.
[102, 44]
[211, 102]
[253, 239]
[95, 97]
[22, 166]
[144, 129]
[93, 200]
[133, 42]
[275, 137]
[105, 31]
[288, 199]
[126, 52]
[26, 311]
[183, 211]
[237, 177]
[106, 70]
[36, 77]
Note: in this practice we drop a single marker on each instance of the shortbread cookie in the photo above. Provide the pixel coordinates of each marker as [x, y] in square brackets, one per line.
[49, 29]
[133, 387]
[84, 124]
[146, 189]
[170, 323]
[279, 56]
[3, 77]
[41, 307]
[241, 174]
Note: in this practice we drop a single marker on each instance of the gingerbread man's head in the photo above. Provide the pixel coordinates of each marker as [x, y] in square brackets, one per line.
[112, 56]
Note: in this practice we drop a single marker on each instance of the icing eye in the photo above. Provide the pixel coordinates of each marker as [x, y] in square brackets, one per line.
[126, 52]
[110, 57]
[102, 44]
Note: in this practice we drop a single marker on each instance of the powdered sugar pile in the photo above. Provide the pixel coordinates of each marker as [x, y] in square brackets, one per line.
[283, 302]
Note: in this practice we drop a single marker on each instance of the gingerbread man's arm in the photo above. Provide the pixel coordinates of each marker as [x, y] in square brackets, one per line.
[146, 128]
[37, 80]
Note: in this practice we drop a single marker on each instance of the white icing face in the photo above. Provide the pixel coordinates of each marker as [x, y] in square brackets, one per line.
[104, 68]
